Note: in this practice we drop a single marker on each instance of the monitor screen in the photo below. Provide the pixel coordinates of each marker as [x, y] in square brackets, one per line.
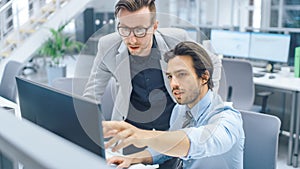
[269, 47]
[73, 118]
[230, 43]
[193, 33]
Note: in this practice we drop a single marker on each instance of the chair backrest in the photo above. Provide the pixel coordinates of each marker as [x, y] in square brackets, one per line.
[223, 89]
[8, 88]
[261, 142]
[76, 85]
[239, 81]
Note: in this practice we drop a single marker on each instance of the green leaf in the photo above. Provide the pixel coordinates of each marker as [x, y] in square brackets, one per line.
[59, 44]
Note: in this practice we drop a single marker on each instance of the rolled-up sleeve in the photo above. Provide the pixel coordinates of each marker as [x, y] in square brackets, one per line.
[158, 158]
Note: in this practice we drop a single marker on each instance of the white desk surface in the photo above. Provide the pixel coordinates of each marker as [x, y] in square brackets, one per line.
[4, 104]
[281, 81]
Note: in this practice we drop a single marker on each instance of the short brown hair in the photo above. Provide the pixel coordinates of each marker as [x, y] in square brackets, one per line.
[201, 59]
[135, 5]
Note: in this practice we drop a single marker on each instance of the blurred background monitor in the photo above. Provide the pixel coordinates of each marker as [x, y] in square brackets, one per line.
[230, 43]
[270, 47]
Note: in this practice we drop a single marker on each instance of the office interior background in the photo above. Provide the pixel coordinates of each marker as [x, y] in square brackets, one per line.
[24, 27]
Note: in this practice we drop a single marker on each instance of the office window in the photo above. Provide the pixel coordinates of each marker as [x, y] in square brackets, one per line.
[9, 24]
[254, 17]
[292, 2]
[275, 2]
[9, 13]
[285, 14]
[274, 18]
[292, 19]
[30, 8]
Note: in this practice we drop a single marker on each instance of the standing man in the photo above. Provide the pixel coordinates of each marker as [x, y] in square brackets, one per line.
[201, 126]
[133, 58]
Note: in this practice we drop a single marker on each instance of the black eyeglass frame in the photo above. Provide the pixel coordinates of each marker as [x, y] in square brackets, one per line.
[133, 30]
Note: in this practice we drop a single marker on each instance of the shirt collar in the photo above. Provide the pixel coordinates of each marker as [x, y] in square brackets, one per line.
[201, 106]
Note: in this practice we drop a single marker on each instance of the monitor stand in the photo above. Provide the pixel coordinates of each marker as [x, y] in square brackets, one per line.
[270, 68]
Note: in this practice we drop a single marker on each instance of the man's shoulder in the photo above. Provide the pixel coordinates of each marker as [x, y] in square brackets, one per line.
[111, 38]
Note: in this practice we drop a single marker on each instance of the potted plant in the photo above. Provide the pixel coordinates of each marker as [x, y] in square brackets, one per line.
[57, 47]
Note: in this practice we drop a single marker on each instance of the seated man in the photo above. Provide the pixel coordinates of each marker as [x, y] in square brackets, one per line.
[201, 126]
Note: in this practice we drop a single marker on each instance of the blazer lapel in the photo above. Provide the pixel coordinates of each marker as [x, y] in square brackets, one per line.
[123, 76]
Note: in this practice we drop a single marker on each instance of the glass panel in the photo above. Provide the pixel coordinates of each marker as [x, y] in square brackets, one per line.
[275, 2]
[291, 19]
[9, 12]
[9, 24]
[292, 2]
[251, 2]
[274, 18]
[295, 42]
[250, 19]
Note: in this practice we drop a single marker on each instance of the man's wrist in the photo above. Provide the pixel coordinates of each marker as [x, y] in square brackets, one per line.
[143, 157]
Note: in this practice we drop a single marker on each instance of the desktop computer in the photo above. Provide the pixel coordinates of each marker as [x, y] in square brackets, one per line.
[71, 117]
[297, 62]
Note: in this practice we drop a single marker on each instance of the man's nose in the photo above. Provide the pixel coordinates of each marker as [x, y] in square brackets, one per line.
[174, 83]
[132, 37]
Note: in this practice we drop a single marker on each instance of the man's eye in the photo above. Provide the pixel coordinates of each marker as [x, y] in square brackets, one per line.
[181, 74]
[169, 77]
[139, 30]
[125, 29]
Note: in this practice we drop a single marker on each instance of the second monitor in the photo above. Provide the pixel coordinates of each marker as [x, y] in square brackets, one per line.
[269, 47]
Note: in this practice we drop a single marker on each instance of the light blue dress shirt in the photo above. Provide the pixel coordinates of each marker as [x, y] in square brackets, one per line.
[217, 138]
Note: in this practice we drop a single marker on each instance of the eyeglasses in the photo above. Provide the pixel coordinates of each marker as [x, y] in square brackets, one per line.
[139, 32]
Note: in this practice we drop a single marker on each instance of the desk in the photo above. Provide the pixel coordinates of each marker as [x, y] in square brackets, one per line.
[5, 104]
[286, 84]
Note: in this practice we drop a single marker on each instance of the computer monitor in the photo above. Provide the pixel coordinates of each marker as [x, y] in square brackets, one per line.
[73, 118]
[269, 47]
[230, 43]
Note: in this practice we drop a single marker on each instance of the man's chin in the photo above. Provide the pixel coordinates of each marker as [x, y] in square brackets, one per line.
[179, 101]
[134, 52]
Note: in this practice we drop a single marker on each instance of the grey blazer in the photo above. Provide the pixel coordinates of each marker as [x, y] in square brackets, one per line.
[112, 61]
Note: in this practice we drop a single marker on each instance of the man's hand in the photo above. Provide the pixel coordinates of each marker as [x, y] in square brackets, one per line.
[171, 143]
[124, 134]
[143, 157]
[121, 161]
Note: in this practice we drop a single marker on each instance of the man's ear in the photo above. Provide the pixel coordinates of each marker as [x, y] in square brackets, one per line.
[155, 25]
[205, 77]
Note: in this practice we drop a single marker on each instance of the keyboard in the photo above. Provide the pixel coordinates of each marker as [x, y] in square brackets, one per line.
[258, 74]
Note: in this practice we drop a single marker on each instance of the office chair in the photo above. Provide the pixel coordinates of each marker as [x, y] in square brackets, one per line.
[223, 91]
[240, 86]
[8, 89]
[76, 85]
[239, 83]
[261, 143]
[261, 140]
